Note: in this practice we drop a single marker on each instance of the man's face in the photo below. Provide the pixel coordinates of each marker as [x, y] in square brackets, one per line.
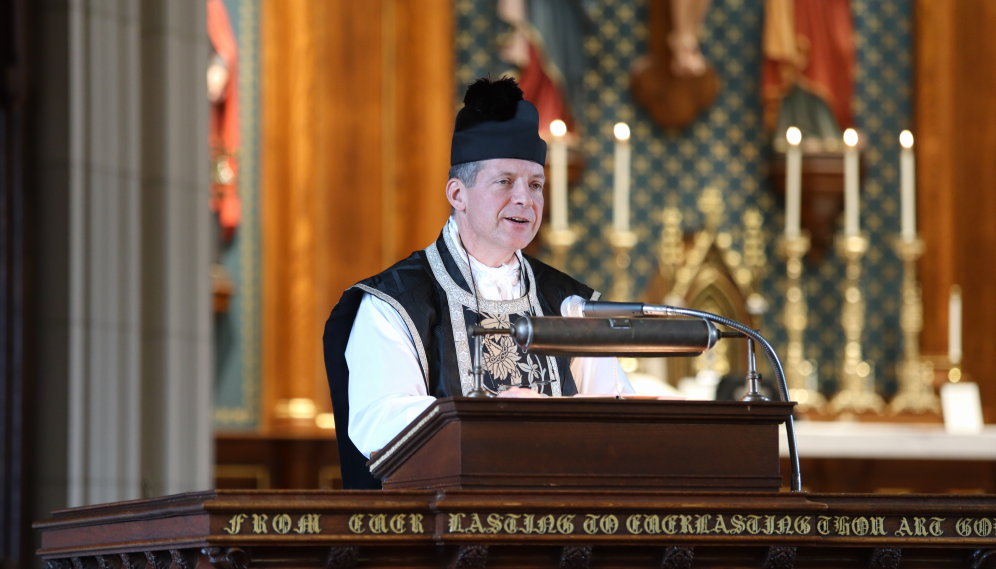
[504, 207]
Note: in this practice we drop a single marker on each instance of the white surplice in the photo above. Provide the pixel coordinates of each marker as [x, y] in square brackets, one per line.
[386, 387]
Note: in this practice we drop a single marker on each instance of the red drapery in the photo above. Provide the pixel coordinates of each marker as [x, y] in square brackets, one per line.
[224, 134]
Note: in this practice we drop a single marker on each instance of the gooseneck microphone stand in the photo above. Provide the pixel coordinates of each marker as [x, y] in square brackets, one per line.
[475, 334]
[776, 364]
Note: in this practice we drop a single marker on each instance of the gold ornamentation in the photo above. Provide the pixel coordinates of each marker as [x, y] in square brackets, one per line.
[795, 317]
[416, 339]
[916, 377]
[857, 393]
[622, 243]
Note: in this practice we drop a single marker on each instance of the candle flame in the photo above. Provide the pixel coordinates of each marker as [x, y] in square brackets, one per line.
[851, 137]
[906, 139]
[558, 128]
[621, 130]
[793, 135]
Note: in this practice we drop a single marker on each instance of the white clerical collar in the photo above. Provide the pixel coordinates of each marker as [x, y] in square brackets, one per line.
[493, 283]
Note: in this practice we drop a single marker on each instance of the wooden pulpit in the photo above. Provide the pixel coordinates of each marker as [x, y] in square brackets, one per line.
[568, 483]
[587, 443]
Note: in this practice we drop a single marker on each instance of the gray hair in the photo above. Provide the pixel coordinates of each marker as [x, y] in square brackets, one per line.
[467, 172]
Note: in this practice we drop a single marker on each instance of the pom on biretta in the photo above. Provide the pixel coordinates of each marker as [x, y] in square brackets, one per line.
[496, 122]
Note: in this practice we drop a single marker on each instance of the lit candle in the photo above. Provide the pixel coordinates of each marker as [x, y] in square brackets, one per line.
[558, 176]
[954, 325]
[907, 170]
[851, 199]
[620, 213]
[793, 182]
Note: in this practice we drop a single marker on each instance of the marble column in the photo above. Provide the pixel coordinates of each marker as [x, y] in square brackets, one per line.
[119, 233]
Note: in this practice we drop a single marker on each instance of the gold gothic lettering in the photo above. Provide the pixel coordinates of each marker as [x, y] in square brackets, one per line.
[823, 525]
[904, 529]
[878, 526]
[259, 523]
[281, 523]
[935, 527]
[308, 523]
[235, 524]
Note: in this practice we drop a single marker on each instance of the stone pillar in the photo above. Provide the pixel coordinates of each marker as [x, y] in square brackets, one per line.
[120, 364]
[178, 454]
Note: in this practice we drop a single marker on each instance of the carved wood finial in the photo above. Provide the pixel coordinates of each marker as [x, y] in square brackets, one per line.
[108, 562]
[84, 563]
[676, 557]
[184, 558]
[471, 556]
[158, 559]
[342, 557]
[133, 561]
[984, 559]
[57, 564]
[780, 558]
[885, 558]
[227, 557]
[575, 557]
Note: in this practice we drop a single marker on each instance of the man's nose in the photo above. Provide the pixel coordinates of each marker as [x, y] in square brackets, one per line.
[520, 194]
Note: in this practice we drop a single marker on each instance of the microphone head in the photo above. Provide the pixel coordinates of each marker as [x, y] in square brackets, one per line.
[572, 307]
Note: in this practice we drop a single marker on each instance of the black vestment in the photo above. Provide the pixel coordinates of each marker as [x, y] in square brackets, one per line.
[426, 289]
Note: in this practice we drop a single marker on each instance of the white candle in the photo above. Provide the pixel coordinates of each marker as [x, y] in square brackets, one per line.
[851, 199]
[620, 212]
[907, 170]
[793, 182]
[954, 325]
[558, 176]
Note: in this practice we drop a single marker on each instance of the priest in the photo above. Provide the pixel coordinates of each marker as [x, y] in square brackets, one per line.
[398, 340]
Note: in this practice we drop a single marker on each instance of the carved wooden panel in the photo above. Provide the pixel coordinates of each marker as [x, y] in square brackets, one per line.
[471, 556]
[133, 561]
[983, 559]
[183, 558]
[227, 557]
[885, 558]
[575, 557]
[108, 562]
[780, 558]
[158, 559]
[342, 557]
[677, 557]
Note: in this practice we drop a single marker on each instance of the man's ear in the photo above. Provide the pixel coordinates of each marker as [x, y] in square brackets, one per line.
[456, 194]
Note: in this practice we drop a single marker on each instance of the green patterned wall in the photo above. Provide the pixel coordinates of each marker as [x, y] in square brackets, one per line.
[726, 149]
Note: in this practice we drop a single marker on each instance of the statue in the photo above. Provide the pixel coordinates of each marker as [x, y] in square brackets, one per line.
[674, 82]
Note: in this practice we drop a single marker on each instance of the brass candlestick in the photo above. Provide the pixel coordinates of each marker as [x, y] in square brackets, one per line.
[560, 241]
[855, 395]
[916, 377]
[622, 243]
[795, 319]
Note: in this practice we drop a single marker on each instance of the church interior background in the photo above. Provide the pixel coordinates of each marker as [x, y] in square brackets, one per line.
[716, 174]
[327, 136]
[726, 149]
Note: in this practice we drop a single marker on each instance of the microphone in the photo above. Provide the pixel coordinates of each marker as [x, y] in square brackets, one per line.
[594, 337]
[577, 307]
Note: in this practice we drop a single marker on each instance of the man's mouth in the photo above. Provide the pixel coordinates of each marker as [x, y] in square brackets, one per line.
[521, 220]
